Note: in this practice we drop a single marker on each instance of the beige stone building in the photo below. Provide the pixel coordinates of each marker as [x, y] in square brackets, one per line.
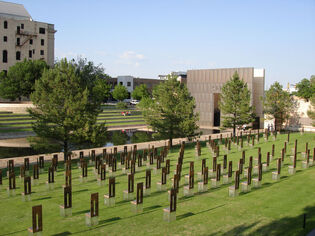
[205, 86]
[22, 37]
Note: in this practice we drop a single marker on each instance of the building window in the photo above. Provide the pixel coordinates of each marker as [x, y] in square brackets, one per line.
[42, 42]
[5, 24]
[4, 56]
[121, 83]
[22, 26]
[42, 30]
[5, 72]
[18, 55]
[31, 41]
[42, 52]
[18, 29]
[128, 84]
[30, 53]
[18, 41]
[5, 39]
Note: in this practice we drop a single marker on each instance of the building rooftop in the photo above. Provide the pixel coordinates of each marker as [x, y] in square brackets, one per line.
[14, 10]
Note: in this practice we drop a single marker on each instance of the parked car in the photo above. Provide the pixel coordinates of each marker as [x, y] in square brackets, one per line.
[134, 102]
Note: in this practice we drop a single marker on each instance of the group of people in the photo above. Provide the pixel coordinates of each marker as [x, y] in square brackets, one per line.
[126, 113]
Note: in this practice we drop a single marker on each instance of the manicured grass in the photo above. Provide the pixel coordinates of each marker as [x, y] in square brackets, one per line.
[13, 121]
[276, 208]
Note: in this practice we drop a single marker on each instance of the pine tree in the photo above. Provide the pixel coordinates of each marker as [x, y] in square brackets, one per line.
[235, 104]
[171, 110]
[64, 115]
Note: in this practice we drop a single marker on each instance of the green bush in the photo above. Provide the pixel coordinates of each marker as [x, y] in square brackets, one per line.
[121, 105]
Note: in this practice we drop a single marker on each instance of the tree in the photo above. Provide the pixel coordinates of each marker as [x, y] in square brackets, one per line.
[20, 79]
[120, 92]
[171, 111]
[234, 103]
[140, 92]
[305, 89]
[278, 104]
[64, 115]
[94, 78]
[311, 111]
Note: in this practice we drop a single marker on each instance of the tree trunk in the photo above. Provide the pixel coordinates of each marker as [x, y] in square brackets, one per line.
[65, 150]
[171, 142]
[234, 128]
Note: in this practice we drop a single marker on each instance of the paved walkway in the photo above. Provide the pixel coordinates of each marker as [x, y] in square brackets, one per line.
[98, 151]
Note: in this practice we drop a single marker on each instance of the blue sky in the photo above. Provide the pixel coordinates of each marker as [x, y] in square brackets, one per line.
[148, 38]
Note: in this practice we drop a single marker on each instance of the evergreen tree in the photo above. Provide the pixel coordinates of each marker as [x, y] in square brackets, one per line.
[234, 103]
[278, 104]
[20, 79]
[64, 114]
[171, 111]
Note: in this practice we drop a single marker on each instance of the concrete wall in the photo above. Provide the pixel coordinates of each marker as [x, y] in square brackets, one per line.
[203, 84]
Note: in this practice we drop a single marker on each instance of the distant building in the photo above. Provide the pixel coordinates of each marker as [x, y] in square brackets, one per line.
[21, 37]
[131, 83]
[181, 76]
[205, 86]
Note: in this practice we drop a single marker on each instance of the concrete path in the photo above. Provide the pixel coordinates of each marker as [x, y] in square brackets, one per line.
[14, 142]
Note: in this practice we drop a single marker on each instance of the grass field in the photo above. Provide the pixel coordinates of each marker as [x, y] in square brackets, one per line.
[276, 208]
[10, 122]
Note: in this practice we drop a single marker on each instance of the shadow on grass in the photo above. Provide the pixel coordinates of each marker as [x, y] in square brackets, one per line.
[81, 190]
[183, 216]
[15, 232]
[43, 198]
[109, 220]
[283, 226]
[80, 212]
[151, 208]
[62, 234]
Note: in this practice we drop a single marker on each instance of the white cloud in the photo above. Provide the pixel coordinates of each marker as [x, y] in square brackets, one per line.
[69, 55]
[130, 58]
[131, 55]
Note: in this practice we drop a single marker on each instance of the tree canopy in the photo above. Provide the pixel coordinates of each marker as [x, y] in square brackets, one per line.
[64, 113]
[305, 88]
[94, 78]
[311, 111]
[278, 104]
[20, 79]
[120, 92]
[171, 110]
[234, 103]
[140, 92]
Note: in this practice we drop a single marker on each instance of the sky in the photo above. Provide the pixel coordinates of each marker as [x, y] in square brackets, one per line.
[147, 38]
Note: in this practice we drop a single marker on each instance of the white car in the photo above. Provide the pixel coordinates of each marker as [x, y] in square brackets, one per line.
[134, 102]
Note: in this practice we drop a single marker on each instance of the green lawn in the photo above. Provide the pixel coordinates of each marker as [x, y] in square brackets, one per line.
[13, 121]
[276, 208]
